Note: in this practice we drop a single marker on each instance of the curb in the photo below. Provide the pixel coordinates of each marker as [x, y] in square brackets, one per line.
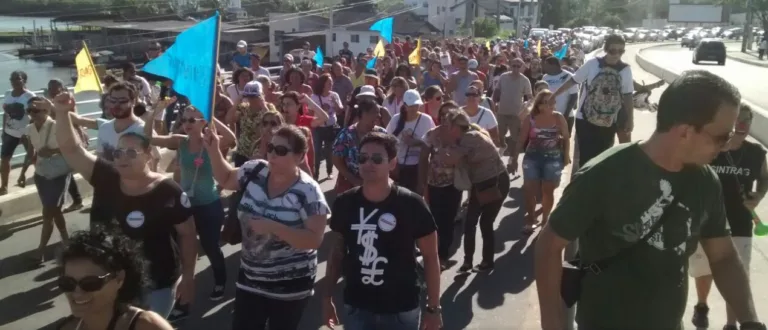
[745, 61]
[26, 201]
[759, 129]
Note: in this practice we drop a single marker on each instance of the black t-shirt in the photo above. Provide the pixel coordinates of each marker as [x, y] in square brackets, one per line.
[737, 177]
[149, 219]
[346, 53]
[380, 245]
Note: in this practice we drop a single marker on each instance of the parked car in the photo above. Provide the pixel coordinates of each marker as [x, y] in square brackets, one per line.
[630, 34]
[733, 33]
[709, 50]
[688, 40]
[643, 35]
[656, 35]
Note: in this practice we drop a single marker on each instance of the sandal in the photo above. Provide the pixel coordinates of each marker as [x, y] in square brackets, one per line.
[466, 267]
[483, 267]
[21, 182]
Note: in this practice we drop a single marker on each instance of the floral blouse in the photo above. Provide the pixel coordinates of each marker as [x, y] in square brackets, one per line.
[249, 130]
[346, 146]
[440, 174]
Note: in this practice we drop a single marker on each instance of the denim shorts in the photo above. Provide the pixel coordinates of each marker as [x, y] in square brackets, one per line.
[541, 167]
[9, 145]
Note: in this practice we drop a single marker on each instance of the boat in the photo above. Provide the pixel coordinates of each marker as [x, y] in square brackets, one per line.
[38, 51]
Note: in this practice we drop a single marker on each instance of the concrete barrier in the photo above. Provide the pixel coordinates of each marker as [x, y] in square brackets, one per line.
[759, 129]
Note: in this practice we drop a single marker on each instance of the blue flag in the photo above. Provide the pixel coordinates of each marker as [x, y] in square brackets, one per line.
[192, 64]
[384, 26]
[525, 44]
[371, 63]
[319, 58]
[560, 54]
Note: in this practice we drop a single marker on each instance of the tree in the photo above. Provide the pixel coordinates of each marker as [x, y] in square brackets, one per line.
[578, 22]
[612, 21]
[759, 8]
[552, 12]
[485, 27]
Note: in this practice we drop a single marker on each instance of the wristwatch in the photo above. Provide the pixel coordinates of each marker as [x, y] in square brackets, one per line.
[752, 326]
[434, 309]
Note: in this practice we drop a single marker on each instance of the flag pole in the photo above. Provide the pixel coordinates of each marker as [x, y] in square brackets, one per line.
[215, 64]
[93, 67]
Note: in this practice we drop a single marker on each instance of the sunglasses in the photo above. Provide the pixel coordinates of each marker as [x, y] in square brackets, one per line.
[615, 51]
[130, 153]
[375, 158]
[270, 123]
[87, 284]
[278, 150]
[190, 120]
[33, 111]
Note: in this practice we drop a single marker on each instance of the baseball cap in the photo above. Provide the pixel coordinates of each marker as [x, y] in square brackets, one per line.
[252, 88]
[288, 57]
[472, 64]
[371, 73]
[412, 97]
[242, 44]
[366, 90]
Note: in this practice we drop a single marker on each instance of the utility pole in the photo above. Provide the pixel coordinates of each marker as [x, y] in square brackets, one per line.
[518, 31]
[329, 35]
[651, 24]
[498, 14]
[746, 40]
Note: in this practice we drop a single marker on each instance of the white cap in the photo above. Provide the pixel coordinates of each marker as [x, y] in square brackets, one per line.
[252, 88]
[366, 90]
[242, 44]
[472, 64]
[412, 97]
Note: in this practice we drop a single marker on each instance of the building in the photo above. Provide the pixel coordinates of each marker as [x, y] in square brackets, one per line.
[450, 15]
[422, 7]
[288, 32]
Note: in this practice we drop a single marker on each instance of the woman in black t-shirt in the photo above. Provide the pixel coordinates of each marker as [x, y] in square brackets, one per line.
[149, 208]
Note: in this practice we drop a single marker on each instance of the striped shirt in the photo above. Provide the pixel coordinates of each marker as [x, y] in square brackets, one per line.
[268, 265]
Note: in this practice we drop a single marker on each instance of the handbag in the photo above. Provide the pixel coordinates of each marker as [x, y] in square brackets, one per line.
[395, 174]
[488, 191]
[232, 233]
[575, 270]
[461, 177]
[51, 167]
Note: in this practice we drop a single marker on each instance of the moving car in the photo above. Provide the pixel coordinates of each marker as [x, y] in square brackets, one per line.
[688, 40]
[709, 50]
[733, 33]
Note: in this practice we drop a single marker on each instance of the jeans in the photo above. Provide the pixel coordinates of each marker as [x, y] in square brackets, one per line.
[593, 140]
[208, 221]
[161, 301]
[444, 203]
[253, 312]
[74, 191]
[323, 138]
[486, 215]
[359, 319]
[408, 176]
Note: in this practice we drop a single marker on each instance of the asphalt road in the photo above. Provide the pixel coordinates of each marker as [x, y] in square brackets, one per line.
[502, 299]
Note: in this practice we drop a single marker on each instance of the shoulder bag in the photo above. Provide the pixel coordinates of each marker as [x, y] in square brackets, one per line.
[575, 270]
[232, 233]
[54, 166]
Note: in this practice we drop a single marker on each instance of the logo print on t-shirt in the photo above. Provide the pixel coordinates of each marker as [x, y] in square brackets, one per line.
[135, 219]
[387, 222]
[184, 199]
[366, 236]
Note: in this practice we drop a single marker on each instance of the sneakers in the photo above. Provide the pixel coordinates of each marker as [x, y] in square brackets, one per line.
[178, 313]
[700, 316]
[218, 293]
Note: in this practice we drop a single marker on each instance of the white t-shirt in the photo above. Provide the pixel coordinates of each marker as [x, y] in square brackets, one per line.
[425, 124]
[484, 118]
[108, 137]
[142, 85]
[393, 107]
[262, 71]
[234, 94]
[15, 113]
[588, 72]
[555, 82]
[328, 103]
[45, 137]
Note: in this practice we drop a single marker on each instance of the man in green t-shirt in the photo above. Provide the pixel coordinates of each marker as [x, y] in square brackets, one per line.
[617, 197]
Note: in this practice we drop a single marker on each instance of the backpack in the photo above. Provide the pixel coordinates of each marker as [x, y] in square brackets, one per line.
[604, 99]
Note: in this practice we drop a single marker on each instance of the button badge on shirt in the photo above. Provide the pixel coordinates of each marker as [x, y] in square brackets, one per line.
[135, 219]
[387, 222]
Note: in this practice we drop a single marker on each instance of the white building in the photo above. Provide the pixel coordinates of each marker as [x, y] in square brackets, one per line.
[422, 6]
[290, 32]
[450, 15]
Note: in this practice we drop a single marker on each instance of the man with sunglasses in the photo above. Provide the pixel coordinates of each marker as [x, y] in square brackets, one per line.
[373, 243]
[639, 210]
[740, 167]
[510, 92]
[459, 81]
[606, 103]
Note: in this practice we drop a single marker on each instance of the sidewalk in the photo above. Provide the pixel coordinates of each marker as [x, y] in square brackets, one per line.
[750, 57]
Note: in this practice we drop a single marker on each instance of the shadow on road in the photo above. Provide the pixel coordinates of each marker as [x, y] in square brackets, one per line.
[23, 304]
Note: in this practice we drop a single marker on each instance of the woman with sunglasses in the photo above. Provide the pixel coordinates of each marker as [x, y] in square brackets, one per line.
[292, 105]
[433, 100]
[547, 153]
[196, 179]
[146, 205]
[480, 115]
[240, 77]
[346, 147]
[51, 172]
[102, 276]
[409, 126]
[474, 149]
[283, 214]
[270, 122]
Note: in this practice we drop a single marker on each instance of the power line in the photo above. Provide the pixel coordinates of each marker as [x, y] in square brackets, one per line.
[297, 15]
[27, 15]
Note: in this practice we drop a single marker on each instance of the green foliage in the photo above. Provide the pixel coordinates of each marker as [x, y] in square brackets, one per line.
[485, 27]
[613, 21]
[578, 22]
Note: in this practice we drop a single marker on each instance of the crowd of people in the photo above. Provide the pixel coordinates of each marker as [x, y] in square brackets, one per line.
[405, 141]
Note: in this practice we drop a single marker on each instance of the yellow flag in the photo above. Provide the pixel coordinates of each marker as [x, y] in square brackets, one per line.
[87, 78]
[415, 57]
[379, 51]
[488, 44]
[538, 48]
